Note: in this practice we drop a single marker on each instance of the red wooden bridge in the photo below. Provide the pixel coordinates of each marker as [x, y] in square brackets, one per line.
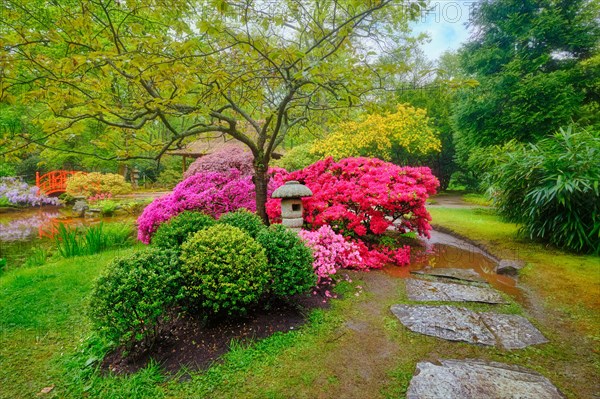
[54, 182]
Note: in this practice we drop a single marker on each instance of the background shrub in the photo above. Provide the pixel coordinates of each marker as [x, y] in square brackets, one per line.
[89, 184]
[552, 188]
[290, 261]
[225, 270]
[174, 232]
[222, 160]
[132, 298]
[297, 158]
[245, 220]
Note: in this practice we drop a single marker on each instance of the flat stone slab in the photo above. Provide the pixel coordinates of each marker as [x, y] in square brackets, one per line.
[464, 325]
[458, 379]
[453, 273]
[421, 290]
[513, 332]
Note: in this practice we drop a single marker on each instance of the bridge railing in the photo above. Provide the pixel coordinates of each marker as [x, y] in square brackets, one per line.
[53, 182]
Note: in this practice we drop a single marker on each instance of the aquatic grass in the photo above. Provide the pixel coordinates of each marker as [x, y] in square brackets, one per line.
[68, 241]
[72, 241]
[94, 240]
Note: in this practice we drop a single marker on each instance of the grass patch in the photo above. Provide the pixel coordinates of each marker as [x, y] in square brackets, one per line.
[477, 199]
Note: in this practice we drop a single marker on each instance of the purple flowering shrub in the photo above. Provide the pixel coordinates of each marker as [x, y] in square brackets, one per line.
[228, 157]
[19, 193]
[212, 193]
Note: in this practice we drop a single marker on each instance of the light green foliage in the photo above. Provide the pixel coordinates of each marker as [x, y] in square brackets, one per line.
[174, 232]
[290, 261]
[297, 158]
[107, 207]
[132, 298]
[552, 188]
[244, 220]
[224, 269]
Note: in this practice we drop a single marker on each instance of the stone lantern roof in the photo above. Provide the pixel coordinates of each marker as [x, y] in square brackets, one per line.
[292, 189]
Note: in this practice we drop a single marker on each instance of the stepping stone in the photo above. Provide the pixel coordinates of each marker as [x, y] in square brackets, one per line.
[464, 325]
[447, 322]
[421, 290]
[453, 273]
[458, 379]
[512, 331]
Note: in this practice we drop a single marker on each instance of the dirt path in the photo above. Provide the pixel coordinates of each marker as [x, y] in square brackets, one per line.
[364, 353]
[450, 201]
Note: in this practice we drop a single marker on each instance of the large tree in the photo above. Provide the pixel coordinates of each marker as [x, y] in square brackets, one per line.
[531, 60]
[249, 69]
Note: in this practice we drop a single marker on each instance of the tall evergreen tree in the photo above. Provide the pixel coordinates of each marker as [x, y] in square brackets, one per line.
[532, 59]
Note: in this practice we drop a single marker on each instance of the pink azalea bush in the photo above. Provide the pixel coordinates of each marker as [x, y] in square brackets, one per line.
[361, 198]
[230, 156]
[364, 196]
[331, 252]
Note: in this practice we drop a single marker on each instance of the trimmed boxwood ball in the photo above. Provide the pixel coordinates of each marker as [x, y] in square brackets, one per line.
[225, 270]
[174, 232]
[243, 219]
[131, 299]
[290, 261]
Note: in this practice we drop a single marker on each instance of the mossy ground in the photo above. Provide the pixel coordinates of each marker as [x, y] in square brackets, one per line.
[355, 349]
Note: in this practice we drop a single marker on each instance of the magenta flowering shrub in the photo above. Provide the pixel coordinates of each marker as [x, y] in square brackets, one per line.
[331, 252]
[361, 198]
[224, 159]
[364, 196]
[212, 193]
[17, 192]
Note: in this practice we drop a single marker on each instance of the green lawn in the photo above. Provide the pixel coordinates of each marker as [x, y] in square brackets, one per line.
[355, 349]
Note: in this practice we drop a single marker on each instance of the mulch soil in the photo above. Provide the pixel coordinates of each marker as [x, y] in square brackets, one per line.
[191, 343]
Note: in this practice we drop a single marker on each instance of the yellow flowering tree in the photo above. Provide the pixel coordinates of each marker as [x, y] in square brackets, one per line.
[407, 130]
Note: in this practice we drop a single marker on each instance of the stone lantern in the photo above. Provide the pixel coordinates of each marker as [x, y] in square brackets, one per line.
[291, 194]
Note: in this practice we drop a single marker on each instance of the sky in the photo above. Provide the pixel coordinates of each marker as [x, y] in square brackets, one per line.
[445, 24]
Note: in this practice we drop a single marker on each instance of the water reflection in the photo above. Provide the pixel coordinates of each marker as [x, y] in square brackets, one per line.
[446, 251]
[27, 228]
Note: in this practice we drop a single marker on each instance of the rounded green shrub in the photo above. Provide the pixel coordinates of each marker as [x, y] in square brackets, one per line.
[224, 269]
[174, 232]
[245, 220]
[131, 299]
[290, 261]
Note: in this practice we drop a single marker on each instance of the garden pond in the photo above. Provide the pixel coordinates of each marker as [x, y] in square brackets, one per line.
[22, 231]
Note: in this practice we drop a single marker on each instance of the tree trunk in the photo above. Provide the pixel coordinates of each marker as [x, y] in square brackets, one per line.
[260, 184]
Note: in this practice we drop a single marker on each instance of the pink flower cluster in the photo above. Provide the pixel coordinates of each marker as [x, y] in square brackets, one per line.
[99, 197]
[213, 193]
[331, 252]
[360, 196]
[377, 256]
